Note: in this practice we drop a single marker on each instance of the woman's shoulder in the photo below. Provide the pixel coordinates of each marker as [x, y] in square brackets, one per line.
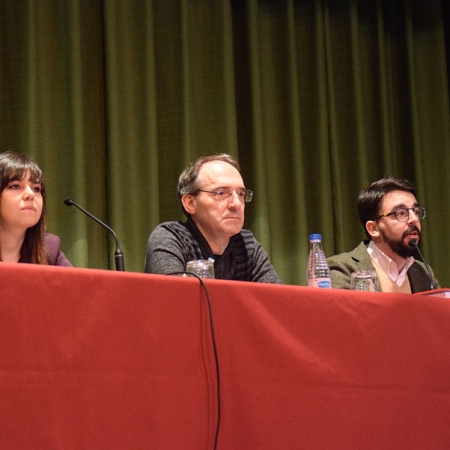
[53, 247]
[52, 241]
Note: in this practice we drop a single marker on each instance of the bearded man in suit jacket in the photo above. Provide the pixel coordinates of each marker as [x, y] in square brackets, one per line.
[390, 214]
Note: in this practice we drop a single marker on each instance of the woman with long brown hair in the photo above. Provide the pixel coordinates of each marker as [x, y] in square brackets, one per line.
[23, 236]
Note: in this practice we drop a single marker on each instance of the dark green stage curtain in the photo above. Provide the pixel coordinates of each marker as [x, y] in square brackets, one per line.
[316, 99]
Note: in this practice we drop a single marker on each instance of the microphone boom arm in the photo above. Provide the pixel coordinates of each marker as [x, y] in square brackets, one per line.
[118, 255]
[413, 243]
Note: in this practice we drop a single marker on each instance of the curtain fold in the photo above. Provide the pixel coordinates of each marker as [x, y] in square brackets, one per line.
[316, 98]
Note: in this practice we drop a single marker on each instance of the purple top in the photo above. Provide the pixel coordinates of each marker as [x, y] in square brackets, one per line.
[55, 256]
[53, 247]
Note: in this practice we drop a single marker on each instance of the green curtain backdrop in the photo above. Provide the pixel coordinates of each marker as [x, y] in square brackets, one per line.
[317, 98]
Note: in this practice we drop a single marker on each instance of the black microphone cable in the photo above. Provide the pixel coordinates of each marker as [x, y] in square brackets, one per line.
[216, 357]
[413, 243]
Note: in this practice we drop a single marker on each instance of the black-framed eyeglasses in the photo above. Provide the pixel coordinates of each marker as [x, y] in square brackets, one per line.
[402, 214]
[244, 195]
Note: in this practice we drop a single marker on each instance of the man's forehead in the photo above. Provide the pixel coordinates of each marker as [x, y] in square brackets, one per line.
[398, 199]
[213, 170]
[216, 165]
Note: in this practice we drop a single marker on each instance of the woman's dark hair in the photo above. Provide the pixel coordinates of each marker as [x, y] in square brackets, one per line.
[188, 182]
[369, 199]
[15, 166]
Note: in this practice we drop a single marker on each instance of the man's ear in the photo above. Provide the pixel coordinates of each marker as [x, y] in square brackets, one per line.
[372, 228]
[188, 202]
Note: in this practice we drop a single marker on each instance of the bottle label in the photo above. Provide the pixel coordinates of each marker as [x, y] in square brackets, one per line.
[324, 283]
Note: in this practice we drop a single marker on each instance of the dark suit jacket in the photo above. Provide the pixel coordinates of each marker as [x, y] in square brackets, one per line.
[342, 265]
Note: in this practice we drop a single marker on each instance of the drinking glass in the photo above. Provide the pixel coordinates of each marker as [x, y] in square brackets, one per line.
[364, 280]
[201, 267]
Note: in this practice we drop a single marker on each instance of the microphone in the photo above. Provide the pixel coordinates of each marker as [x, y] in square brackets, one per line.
[413, 243]
[118, 256]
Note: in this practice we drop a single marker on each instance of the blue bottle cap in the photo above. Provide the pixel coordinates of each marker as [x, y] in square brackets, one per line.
[315, 237]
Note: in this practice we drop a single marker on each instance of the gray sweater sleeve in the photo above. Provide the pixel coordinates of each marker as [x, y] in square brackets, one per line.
[262, 269]
[165, 252]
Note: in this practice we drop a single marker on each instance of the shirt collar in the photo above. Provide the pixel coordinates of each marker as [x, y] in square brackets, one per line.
[388, 265]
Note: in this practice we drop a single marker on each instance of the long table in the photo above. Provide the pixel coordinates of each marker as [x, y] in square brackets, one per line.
[94, 359]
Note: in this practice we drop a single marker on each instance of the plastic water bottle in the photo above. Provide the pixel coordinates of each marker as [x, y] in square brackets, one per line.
[318, 272]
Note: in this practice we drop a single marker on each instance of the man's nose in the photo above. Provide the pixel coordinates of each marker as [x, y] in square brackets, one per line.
[413, 217]
[234, 199]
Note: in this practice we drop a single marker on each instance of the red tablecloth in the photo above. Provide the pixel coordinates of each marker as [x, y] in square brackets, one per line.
[93, 359]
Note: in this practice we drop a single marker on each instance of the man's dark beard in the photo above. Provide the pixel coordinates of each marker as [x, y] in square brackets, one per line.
[399, 247]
